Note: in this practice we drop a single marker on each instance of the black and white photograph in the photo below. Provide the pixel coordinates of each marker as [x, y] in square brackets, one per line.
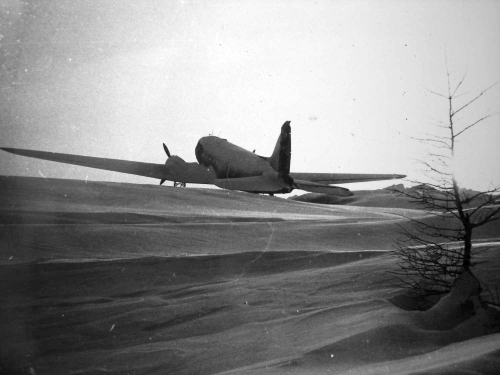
[249, 187]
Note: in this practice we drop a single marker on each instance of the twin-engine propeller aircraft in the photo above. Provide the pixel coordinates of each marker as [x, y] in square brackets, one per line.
[225, 165]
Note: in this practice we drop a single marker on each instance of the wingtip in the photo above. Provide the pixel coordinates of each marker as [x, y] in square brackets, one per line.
[16, 151]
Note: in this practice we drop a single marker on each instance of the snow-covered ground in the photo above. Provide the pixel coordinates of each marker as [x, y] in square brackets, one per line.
[122, 278]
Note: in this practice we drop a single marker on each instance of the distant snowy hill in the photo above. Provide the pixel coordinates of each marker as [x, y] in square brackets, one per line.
[387, 197]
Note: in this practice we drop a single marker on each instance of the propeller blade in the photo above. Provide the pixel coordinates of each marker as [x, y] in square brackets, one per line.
[166, 150]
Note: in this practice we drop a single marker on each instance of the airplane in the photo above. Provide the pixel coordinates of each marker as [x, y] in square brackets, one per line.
[225, 165]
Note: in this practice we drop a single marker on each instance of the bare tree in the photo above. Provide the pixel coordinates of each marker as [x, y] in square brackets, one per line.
[439, 247]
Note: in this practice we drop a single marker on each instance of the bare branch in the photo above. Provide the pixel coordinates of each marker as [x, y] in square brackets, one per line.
[475, 123]
[477, 97]
[459, 84]
[459, 96]
[435, 93]
[440, 156]
[487, 218]
[432, 140]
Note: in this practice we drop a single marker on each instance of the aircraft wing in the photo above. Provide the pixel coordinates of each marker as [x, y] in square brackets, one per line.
[343, 178]
[313, 187]
[264, 184]
[270, 184]
[175, 169]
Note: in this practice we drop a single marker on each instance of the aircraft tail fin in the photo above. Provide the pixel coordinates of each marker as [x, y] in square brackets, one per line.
[280, 159]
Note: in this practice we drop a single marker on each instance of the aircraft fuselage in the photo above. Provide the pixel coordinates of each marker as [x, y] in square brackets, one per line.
[229, 160]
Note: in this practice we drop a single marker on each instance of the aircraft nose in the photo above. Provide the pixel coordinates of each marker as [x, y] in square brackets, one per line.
[198, 151]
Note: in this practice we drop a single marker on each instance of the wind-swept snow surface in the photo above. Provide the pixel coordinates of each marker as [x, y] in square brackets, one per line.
[131, 279]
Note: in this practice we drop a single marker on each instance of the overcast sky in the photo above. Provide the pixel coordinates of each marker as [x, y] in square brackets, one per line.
[116, 78]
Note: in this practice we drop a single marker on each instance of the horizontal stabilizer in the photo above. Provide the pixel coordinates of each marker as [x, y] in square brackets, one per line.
[344, 178]
[262, 184]
[322, 189]
[175, 169]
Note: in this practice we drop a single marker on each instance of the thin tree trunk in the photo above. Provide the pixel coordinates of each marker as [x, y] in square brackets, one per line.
[467, 243]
